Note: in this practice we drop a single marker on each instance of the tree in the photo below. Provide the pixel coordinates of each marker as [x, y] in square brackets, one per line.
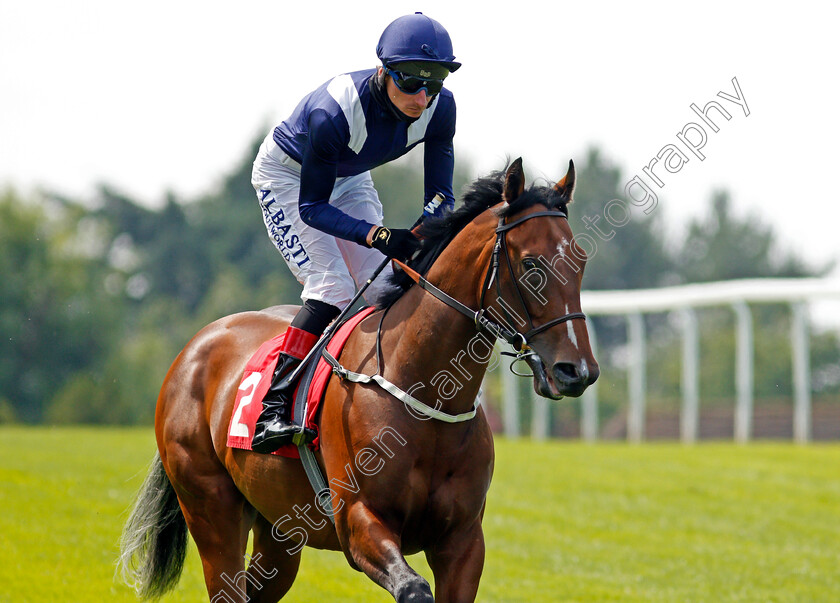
[171, 254]
[721, 247]
[56, 315]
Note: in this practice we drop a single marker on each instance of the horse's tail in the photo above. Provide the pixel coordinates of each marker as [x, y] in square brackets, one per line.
[154, 540]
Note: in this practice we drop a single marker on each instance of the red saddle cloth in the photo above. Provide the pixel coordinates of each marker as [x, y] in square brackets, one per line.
[257, 379]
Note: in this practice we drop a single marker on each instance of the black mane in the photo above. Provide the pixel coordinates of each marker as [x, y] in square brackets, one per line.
[481, 195]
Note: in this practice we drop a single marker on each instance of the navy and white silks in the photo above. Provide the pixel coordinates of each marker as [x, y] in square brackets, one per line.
[312, 178]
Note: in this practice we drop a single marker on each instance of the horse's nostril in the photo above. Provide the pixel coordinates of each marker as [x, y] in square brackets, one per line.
[566, 372]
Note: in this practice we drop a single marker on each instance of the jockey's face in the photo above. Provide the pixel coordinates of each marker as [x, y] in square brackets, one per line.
[412, 105]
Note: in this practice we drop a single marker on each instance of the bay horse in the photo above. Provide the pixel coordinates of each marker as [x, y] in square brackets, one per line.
[400, 482]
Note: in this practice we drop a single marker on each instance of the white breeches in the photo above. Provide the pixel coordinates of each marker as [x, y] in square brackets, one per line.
[329, 268]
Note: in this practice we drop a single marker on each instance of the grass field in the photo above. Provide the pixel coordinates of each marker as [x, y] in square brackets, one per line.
[565, 522]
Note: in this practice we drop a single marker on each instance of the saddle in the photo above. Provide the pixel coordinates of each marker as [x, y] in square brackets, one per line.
[309, 392]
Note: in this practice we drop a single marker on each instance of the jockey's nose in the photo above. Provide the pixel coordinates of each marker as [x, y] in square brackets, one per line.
[421, 99]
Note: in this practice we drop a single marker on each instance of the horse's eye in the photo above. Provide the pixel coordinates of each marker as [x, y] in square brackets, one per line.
[529, 263]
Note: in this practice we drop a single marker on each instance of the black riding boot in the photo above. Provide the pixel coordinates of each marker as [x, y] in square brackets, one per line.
[275, 426]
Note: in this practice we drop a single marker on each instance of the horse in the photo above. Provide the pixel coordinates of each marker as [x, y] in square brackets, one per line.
[400, 482]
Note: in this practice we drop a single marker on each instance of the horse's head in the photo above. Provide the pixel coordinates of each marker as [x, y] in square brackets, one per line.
[540, 269]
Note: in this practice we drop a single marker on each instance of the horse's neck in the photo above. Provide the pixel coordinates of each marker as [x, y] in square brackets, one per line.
[437, 346]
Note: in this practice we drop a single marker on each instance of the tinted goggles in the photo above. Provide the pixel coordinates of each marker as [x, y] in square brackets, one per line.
[412, 84]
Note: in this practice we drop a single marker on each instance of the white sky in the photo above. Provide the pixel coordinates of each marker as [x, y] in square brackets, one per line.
[167, 95]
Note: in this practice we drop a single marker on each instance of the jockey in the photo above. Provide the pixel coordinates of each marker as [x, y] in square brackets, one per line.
[312, 177]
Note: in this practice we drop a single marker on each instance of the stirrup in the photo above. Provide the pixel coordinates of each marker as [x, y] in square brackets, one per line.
[303, 436]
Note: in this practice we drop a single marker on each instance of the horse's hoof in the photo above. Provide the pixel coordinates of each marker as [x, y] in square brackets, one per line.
[416, 593]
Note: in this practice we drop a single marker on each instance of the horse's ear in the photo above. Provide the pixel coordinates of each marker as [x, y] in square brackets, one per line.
[514, 181]
[566, 186]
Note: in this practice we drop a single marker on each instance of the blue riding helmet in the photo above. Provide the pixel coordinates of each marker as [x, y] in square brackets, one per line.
[416, 38]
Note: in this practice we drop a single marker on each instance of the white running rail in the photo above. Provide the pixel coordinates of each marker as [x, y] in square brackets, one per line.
[685, 299]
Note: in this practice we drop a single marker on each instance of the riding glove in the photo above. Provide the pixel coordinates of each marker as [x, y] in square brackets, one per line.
[396, 243]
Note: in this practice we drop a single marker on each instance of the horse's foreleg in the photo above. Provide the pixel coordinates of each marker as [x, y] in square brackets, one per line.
[375, 549]
[457, 562]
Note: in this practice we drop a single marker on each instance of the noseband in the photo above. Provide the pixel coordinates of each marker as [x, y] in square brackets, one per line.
[519, 341]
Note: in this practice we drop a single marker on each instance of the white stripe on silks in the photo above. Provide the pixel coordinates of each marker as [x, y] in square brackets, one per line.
[344, 92]
[417, 130]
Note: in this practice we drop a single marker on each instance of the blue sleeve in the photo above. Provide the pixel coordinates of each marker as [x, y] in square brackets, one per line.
[319, 168]
[439, 162]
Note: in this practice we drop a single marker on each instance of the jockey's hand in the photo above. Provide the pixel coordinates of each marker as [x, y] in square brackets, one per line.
[396, 243]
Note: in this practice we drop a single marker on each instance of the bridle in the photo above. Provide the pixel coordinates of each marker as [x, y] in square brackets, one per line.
[519, 341]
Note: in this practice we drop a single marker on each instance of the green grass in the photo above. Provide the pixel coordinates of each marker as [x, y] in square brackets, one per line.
[564, 522]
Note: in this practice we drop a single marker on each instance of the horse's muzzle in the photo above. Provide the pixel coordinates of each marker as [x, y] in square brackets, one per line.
[571, 379]
[565, 378]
